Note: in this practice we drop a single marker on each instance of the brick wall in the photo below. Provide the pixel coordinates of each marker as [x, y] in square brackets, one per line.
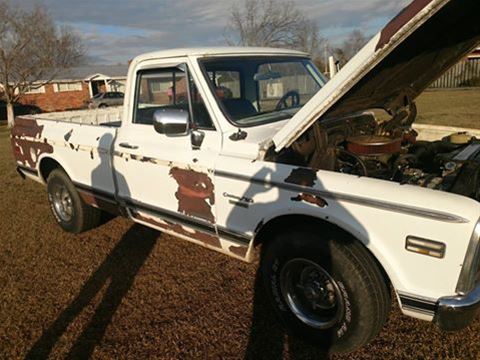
[57, 101]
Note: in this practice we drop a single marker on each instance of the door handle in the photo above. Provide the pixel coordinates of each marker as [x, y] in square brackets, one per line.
[128, 146]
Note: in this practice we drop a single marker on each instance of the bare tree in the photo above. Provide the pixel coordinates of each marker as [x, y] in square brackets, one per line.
[33, 50]
[355, 41]
[274, 23]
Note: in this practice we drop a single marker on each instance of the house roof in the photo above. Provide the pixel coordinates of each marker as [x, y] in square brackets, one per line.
[89, 71]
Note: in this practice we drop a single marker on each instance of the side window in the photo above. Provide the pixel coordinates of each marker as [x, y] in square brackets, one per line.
[159, 89]
[168, 89]
[227, 83]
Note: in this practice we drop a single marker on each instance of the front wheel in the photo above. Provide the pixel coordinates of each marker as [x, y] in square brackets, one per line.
[68, 208]
[327, 288]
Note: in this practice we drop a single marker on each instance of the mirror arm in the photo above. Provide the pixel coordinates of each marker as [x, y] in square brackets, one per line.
[196, 137]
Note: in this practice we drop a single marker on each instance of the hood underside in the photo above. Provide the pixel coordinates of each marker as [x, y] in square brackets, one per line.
[419, 45]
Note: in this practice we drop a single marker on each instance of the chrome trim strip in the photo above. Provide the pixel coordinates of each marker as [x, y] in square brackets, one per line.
[197, 224]
[85, 188]
[234, 236]
[418, 310]
[382, 205]
[28, 170]
[175, 217]
[418, 303]
[471, 263]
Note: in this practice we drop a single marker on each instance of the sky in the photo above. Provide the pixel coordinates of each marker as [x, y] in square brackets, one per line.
[115, 31]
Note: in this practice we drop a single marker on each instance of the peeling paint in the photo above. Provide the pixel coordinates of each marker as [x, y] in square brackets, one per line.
[148, 159]
[312, 199]
[26, 144]
[195, 193]
[27, 128]
[68, 135]
[400, 21]
[302, 176]
[207, 239]
[99, 202]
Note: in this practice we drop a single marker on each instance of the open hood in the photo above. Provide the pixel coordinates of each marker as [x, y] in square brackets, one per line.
[420, 44]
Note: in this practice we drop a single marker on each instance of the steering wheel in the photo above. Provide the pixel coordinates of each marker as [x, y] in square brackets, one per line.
[295, 100]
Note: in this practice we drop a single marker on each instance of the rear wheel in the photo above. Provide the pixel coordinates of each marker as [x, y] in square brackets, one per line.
[102, 106]
[68, 208]
[326, 288]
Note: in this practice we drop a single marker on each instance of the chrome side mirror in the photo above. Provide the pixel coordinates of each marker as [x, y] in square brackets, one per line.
[171, 121]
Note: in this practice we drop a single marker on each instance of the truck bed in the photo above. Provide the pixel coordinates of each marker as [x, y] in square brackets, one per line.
[81, 141]
[111, 116]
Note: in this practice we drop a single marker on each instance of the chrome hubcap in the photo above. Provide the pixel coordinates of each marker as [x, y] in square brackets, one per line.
[311, 293]
[62, 203]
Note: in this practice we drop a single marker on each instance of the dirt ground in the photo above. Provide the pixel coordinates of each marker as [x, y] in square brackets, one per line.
[127, 292]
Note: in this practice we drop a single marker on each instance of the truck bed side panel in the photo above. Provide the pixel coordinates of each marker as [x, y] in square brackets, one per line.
[82, 150]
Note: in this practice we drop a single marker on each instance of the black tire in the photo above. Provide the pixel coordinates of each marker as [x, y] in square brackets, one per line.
[80, 217]
[342, 322]
[102, 106]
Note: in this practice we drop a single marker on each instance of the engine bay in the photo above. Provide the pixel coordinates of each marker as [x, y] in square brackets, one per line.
[389, 150]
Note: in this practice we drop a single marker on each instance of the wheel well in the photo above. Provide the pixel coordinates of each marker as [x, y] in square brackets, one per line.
[279, 224]
[265, 232]
[47, 165]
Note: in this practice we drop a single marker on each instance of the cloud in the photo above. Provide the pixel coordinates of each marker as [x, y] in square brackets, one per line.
[117, 30]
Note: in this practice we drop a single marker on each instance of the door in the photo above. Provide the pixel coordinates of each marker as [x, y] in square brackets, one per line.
[165, 180]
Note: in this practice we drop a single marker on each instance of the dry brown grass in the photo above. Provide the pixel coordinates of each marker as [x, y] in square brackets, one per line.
[450, 108]
[121, 291]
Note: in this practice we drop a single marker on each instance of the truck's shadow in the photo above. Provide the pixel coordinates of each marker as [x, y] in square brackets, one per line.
[118, 271]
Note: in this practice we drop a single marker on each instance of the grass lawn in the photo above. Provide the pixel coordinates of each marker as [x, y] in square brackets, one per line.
[460, 108]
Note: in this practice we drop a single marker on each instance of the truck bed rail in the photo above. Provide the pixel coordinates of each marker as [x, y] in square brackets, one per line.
[111, 116]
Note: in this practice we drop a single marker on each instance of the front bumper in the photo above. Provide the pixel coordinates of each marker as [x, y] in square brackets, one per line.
[457, 312]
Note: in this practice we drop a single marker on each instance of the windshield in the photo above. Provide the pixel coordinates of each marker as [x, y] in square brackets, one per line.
[254, 91]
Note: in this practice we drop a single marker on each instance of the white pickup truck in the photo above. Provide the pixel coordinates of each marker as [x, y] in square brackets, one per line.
[234, 148]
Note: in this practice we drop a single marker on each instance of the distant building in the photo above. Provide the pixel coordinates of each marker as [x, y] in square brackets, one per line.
[72, 88]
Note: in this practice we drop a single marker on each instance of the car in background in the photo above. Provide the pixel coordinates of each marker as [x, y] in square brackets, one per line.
[106, 99]
[18, 109]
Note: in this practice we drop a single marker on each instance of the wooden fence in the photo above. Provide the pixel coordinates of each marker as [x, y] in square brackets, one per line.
[464, 74]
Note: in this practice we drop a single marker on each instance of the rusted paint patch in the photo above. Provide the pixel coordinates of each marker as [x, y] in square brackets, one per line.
[312, 199]
[99, 202]
[205, 238]
[302, 176]
[195, 193]
[26, 142]
[147, 159]
[239, 250]
[68, 135]
[27, 127]
[400, 21]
